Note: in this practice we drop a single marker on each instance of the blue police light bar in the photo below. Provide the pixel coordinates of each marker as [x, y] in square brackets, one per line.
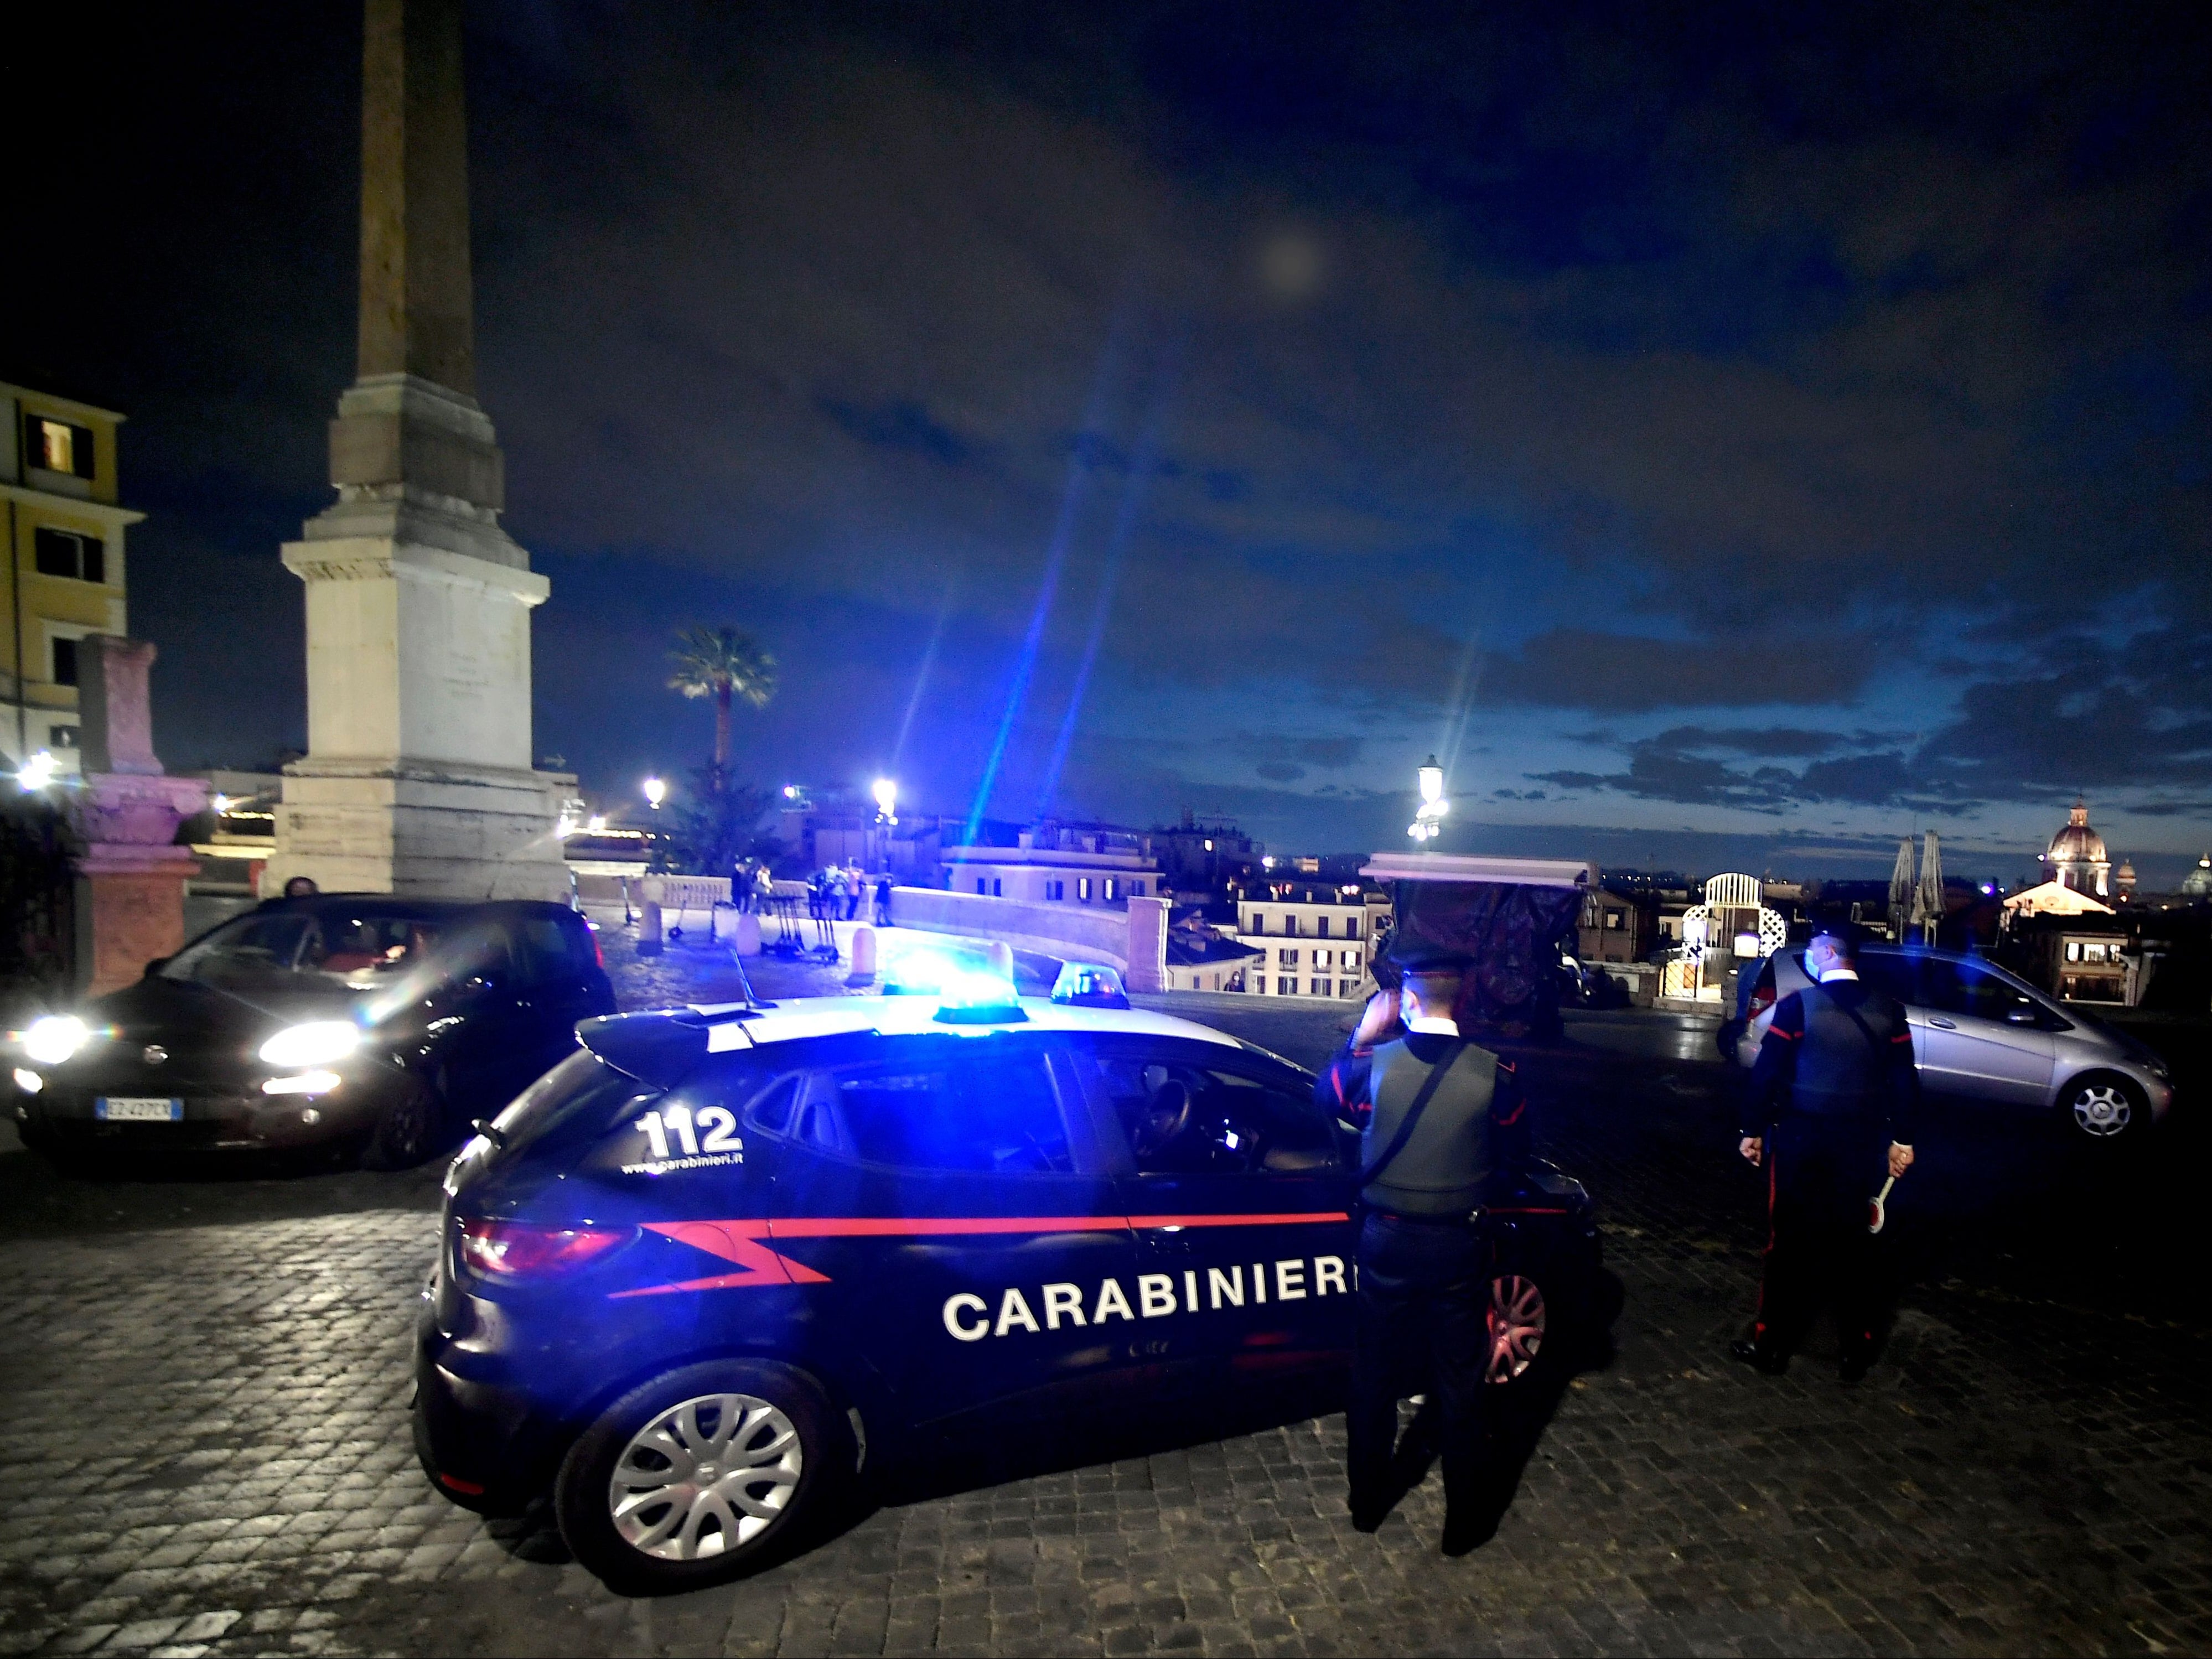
[970, 997]
[1089, 985]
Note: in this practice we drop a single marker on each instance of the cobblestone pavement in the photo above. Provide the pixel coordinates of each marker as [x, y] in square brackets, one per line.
[203, 1448]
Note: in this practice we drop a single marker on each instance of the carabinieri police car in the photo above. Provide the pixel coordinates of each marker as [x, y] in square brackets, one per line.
[692, 1275]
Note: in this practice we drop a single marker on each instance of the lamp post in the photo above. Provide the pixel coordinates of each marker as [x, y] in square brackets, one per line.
[36, 773]
[656, 791]
[886, 793]
[1426, 825]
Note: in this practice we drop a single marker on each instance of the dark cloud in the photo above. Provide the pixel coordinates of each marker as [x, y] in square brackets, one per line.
[1620, 673]
[1279, 771]
[1335, 751]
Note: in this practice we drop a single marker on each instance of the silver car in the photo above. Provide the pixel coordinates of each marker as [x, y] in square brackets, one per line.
[1982, 1034]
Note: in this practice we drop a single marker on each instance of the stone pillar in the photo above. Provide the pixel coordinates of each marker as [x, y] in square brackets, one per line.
[1148, 945]
[130, 874]
[418, 774]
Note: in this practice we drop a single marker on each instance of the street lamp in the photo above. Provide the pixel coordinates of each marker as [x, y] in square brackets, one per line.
[656, 791]
[1425, 826]
[886, 793]
[36, 773]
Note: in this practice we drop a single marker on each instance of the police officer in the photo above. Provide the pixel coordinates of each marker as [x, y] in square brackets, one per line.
[1830, 1111]
[1437, 1114]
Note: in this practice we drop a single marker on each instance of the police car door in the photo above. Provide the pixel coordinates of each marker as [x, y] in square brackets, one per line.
[1235, 1191]
[949, 1190]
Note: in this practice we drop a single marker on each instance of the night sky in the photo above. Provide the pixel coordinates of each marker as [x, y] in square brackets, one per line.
[1724, 435]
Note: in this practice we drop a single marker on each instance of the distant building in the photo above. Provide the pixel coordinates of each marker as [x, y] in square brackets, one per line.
[2197, 884]
[1617, 927]
[2052, 898]
[1311, 938]
[1204, 855]
[65, 563]
[1057, 863]
[2077, 857]
[1200, 959]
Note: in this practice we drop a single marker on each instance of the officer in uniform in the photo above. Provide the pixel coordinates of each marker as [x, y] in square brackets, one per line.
[1830, 1111]
[1437, 1114]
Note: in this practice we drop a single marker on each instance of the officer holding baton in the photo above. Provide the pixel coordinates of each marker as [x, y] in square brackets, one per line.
[1437, 1116]
[1830, 1111]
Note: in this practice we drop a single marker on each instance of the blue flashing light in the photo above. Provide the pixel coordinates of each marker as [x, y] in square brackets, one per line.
[1089, 985]
[970, 997]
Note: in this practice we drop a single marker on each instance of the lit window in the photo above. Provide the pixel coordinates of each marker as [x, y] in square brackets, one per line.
[2073, 949]
[66, 553]
[64, 737]
[57, 445]
[1109, 894]
[1083, 889]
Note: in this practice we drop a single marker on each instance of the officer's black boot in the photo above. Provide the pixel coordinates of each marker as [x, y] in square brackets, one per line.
[1761, 1356]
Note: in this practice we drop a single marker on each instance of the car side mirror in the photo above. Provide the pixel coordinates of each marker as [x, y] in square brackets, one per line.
[2020, 1017]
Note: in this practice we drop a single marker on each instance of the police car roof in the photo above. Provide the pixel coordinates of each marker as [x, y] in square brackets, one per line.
[733, 1025]
[661, 1046]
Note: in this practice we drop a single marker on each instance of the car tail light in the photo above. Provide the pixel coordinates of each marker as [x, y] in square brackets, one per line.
[1762, 999]
[524, 1250]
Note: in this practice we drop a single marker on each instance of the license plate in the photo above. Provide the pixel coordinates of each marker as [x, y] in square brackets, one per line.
[138, 1108]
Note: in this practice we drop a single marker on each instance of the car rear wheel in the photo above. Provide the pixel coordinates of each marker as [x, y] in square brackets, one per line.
[2104, 1106]
[1520, 1319]
[699, 1475]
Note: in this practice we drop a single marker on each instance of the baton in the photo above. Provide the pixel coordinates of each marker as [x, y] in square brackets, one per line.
[1875, 1214]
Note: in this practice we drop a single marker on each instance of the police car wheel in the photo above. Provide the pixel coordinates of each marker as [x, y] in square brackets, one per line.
[1520, 1319]
[698, 1475]
[2106, 1106]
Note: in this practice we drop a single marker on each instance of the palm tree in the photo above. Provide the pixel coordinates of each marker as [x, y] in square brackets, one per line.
[723, 663]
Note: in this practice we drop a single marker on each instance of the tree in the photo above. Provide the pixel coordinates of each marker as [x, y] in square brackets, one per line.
[709, 827]
[722, 664]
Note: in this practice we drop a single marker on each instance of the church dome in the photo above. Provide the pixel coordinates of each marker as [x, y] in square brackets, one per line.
[2077, 843]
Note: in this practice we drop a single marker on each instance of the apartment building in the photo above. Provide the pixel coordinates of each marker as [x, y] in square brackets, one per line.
[1313, 938]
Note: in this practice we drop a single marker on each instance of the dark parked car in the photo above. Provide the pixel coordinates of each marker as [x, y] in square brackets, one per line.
[364, 1022]
[718, 1256]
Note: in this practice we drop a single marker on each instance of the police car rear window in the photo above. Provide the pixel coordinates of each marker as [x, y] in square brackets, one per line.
[582, 1092]
[962, 1112]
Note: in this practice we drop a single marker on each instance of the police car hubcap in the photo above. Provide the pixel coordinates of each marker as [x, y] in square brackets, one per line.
[2102, 1109]
[1516, 1326]
[705, 1477]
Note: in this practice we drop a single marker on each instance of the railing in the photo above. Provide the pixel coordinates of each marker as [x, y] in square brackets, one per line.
[1131, 941]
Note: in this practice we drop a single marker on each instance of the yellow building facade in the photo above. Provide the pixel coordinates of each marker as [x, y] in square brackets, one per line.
[66, 568]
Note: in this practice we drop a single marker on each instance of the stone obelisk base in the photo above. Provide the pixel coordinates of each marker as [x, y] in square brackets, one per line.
[421, 828]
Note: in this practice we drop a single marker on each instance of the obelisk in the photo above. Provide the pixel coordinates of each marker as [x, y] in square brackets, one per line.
[418, 777]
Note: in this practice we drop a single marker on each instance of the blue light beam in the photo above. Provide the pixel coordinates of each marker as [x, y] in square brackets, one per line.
[1125, 523]
[1071, 504]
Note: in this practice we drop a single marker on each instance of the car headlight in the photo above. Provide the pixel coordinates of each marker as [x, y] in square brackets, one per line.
[318, 1042]
[55, 1037]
